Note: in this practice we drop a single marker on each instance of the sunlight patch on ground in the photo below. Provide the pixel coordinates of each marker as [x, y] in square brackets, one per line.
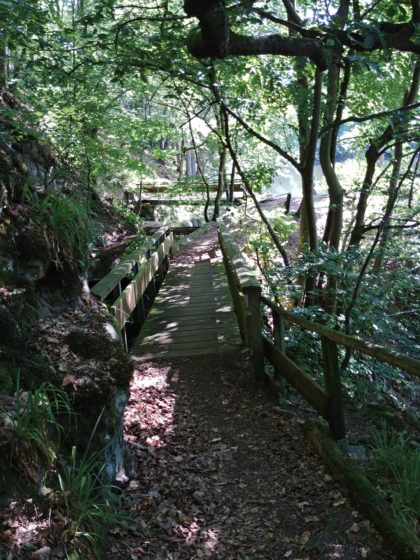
[206, 539]
[152, 426]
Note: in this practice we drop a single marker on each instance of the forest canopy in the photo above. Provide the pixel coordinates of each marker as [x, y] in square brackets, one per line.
[129, 93]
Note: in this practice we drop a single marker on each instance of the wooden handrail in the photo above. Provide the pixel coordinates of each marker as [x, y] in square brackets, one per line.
[198, 185]
[406, 363]
[148, 263]
[125, 304]
[243, 272]
[109, 282]
[246, 294]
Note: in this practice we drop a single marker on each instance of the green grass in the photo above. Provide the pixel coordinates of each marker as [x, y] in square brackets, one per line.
[37, 431]
[82, 493]
[395, 457]
[89, 500]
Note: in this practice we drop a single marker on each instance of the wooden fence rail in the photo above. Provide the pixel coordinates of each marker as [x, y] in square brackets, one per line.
[401, 361]
[110, 285]
[143, 270]
[128, 300]
[246, 293]
[247, 299]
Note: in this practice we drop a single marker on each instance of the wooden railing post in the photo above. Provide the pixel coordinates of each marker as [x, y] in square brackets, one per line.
[253, 294]
[234, 291]
[333, 387]
[287, 202]
[171, 250]
[124, 338]
[140, 312]
[278, 335]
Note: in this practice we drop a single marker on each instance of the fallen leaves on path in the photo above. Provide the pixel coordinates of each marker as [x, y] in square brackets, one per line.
[222, 473]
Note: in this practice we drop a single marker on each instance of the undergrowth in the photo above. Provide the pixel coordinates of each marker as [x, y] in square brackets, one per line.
[88, 499]
[69, 225]
[78, 489]
[37, 431]
[398, 460]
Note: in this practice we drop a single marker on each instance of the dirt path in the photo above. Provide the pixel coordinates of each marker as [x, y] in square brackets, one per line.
[221, 472]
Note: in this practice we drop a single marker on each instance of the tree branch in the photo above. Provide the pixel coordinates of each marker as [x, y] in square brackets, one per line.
[262, 138]
[271, 17]
[370, 117]
[384, 35]
[215, 38]
[292, 15]
[197, 113]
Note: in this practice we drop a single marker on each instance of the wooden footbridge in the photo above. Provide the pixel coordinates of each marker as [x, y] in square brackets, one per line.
[192, 315]
[209, 301]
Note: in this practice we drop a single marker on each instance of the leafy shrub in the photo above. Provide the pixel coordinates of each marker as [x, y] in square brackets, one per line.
[127, 215]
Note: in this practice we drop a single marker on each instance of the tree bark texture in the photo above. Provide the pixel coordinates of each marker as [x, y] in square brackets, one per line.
[214, 38]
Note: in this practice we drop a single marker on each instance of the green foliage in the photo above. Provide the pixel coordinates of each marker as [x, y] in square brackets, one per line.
[260, 176]
[127, 215]
[387, 302]
[69, 223]
[395, 457]
[8, 378]
[37, 430]
[89, 500]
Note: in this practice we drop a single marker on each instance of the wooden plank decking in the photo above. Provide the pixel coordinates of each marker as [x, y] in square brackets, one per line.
[191, 315]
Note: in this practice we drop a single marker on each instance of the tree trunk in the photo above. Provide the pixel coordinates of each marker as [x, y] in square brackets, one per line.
[181, 160]
[335, 211]
[334, 224]
[3, 62]
[303, 115]
[392, 198]
[307, 172]
[340, 108]
[372, 155]
[221, 182]
[308, 216]
[231, 190]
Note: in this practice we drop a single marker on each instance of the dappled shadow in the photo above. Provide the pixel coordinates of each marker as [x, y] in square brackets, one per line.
[203, 249]
[223, 473]
[193, 313]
